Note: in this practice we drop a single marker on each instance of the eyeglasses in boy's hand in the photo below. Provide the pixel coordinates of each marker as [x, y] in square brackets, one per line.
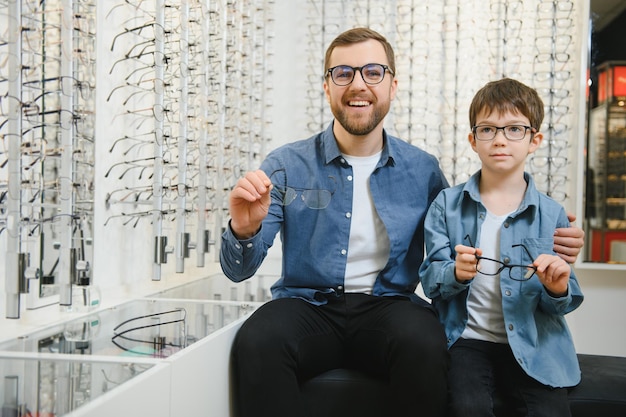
[313, 198]
[492, 267]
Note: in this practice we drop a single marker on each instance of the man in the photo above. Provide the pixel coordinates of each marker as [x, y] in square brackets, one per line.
[349, 204]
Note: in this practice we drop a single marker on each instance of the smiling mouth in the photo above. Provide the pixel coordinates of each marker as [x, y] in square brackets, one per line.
[359, 103]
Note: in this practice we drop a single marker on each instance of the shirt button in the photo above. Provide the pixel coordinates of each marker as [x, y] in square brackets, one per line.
[506, 224]
[511, 327]
[343, 161]
[249, 245]
[237, 246]
[349, 177]
[348, 214]
[482, 215]
[238, 262]
[343, 251]
[506, 260]
[507, 293]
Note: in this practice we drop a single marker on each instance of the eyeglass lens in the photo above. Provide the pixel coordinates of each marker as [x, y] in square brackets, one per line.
[512, 132]
[492, 267]
[371, 73]
[313, 199]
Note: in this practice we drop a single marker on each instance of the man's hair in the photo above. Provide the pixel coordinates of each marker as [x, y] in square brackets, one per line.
[508, 95]
[358, 35]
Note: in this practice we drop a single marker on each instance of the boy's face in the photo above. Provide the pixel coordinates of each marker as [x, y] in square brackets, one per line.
[502, 155]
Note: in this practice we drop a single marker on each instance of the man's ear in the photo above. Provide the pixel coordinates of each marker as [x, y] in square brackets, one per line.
[326, 92]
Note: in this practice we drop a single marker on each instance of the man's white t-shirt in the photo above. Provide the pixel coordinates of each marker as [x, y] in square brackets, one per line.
[368, 248]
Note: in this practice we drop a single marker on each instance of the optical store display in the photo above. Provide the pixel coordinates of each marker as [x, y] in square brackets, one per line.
[47, 108]
[181, 101]
[606, 170]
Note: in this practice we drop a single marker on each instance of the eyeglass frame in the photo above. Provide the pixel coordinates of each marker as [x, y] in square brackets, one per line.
[503, 265]
[283, 188]
[503, 128]
[329, 72]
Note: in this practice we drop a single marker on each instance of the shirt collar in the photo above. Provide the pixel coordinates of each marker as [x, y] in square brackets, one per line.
[331, 150]
[531, 196]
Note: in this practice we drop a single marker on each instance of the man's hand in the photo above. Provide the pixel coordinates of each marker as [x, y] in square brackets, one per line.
[249, 203]
[465, 265]
[568, 241]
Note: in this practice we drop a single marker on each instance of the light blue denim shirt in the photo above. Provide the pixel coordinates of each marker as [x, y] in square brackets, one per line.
[534, 322]
[315, 241]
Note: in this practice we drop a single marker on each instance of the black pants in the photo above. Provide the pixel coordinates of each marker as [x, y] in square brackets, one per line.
[480, 370]
[288, 341]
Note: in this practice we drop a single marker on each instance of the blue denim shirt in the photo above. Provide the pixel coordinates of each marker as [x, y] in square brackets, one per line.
[315, 241]
[536, 329]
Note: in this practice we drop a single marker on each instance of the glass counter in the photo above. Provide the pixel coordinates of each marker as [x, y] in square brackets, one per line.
[145, 328]
[45, 387]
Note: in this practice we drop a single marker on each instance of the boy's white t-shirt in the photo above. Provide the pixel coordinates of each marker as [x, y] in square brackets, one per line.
[484, 304]
[368, 247]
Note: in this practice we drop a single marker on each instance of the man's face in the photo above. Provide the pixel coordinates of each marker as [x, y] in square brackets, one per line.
[359, 107]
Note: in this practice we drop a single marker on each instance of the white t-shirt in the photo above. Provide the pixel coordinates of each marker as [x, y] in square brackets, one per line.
[368, 247]
[484, 304]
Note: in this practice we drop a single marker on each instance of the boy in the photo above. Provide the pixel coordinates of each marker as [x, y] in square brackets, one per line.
[491, 272]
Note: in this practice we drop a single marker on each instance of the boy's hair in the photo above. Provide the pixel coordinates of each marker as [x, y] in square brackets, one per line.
[358, 35]
[508, 95]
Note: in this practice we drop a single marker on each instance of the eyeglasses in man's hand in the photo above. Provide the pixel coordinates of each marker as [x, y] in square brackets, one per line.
[313, 198]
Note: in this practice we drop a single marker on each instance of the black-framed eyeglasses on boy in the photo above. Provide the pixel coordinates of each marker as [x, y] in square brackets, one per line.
[492, 267]
[511, 132]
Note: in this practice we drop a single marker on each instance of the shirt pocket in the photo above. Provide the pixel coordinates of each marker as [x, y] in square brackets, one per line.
[532, 289]
[536, 247]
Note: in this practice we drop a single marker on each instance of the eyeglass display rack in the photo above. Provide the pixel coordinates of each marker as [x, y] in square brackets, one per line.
[47, 128]
[605, 206]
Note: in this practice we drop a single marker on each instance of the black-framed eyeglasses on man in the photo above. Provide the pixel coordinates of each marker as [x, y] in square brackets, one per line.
[313, 198]
[492, 267]
[372, 74]
[511, 132]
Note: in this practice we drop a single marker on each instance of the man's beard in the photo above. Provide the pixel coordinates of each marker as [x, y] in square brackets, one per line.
[360, 126]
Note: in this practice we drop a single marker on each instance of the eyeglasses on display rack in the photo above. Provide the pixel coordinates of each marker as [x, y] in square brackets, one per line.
[493, 267]
[372, 74]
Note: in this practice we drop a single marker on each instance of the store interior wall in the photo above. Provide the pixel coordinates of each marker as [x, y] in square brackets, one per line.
[446, 52]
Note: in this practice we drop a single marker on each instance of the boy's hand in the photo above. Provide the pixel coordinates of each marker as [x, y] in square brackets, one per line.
[249, 203]
[554, 273]
[466, 264]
